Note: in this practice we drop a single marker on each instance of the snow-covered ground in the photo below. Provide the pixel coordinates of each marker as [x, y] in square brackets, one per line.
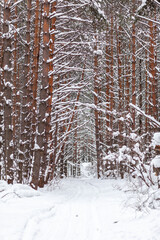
[79, 209]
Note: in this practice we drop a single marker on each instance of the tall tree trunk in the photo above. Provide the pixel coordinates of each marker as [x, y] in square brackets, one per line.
[52, 164]
[35, 71]
[127, 96]
[1, 94]
[16, 101]
[75, 151]
[152, 70]
[120, 125]
[41, 144]
[133, 72]
[52, 142]
[8, 85]
[140, 95]
[112, 77]
[25, 152]
[15, 84]
[146, 94]
[127, 85]
[107, 89]
[96, 106]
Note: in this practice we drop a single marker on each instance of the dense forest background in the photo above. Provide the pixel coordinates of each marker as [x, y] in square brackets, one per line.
[79, 82]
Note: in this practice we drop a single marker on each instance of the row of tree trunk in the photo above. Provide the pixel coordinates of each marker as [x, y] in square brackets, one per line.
[72, 77]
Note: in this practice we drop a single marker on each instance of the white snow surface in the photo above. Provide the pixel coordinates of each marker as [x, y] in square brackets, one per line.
[78, 209]
[156, 161]
[156, 139]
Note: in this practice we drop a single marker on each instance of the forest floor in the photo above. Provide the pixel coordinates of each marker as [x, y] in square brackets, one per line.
[76, 209]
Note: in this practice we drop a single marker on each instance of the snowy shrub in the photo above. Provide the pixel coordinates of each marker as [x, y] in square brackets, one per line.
[109, 165]
[140, 197]
[53, 184]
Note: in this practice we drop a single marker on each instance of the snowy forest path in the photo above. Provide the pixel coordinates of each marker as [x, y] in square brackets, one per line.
[90, 209]
[79, 209]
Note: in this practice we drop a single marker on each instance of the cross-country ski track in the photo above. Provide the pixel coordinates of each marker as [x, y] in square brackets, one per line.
[78, 209]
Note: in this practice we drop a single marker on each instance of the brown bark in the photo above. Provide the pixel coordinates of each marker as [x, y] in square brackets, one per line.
[53, 142]
[152, 70]
[1, 92]
[61, 156]
[37, 24]
[96, 92]
[120, 95]
[146, 95]
[140, 95]
[127, 99]
[100, 126]
[25, 152]
[133, 73]
[107, 88]
[41, 149]
[15, 83]
[112, 77]
[16, 100]
[75, 151]
[127, 85]
[6, 66]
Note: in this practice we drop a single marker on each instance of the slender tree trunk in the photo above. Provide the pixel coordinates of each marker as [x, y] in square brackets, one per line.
[152, 70]
[8, 86]
[127, 96]
[96, 106]
[16, 101]
[127, 85]
[36, 52]
[112, 77]
[100, 126]
[75, 151]
[140, 95]
[120, 125]
[41, 144]
[107, 89]
[146, 94]
[133, 70]
[25, 152]
[15, 84]
[61, 158]
[1, 94]
[52, 142]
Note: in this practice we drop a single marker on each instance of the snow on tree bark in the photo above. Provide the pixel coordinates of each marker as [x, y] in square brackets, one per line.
[7, 97]
[40, 156]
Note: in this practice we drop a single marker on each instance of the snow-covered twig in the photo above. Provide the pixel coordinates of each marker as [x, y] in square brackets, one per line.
[152, 119]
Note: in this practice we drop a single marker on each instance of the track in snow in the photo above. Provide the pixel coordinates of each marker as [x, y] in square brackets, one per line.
[81, 209]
